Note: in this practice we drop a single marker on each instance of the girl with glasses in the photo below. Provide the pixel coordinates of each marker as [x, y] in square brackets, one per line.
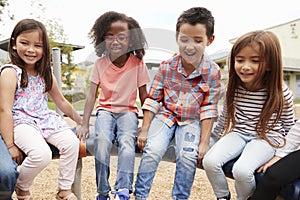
[122, 75]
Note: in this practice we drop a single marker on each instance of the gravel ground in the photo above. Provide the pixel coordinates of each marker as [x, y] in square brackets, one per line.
[45, 185]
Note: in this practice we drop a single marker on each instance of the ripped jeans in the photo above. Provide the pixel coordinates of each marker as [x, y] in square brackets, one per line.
[187, 139]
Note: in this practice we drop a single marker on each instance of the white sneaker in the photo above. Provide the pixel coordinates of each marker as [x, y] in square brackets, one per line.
[122, 194]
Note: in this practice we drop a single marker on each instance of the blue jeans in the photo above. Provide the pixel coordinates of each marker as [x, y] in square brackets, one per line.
[187, 138]
[254, 153]
[121, 128]
[8, 172]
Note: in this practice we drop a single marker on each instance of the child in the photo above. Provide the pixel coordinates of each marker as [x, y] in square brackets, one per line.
[182, 103]
[258, 112]
[8, 169]
[24, 85]
[120, 72]
[284, 171]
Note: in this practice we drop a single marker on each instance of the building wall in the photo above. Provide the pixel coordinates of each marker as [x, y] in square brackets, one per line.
[289, 36]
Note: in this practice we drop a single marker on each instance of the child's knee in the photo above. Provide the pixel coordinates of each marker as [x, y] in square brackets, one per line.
[41, 157]
[209, 162]
[72, 146]
[241, 174]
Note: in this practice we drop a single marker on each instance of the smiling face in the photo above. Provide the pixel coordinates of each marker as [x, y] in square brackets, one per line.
[117, 39]
[192, 40]
[246, 65]
[29, 46]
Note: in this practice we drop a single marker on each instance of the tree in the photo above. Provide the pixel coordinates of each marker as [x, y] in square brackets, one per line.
[58, 39]
[4, 10]
[55, 31]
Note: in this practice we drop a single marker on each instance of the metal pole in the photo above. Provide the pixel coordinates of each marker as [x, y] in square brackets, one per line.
[57, 70]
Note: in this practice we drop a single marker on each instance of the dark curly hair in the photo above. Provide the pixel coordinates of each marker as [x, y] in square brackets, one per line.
[101, 26]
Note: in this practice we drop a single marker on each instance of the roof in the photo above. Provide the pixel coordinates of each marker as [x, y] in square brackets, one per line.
[153, 55]
[4, 45]
[220, 55]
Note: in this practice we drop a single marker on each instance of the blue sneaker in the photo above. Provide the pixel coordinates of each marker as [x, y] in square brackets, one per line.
[122, 194]
[100, 197]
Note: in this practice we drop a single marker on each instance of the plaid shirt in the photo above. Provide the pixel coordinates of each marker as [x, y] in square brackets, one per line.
[176, 97]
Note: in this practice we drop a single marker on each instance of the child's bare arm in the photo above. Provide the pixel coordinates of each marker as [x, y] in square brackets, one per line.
[8, 83]
[143, 93]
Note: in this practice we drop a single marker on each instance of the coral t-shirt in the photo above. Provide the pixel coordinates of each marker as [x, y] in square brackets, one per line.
[119, 86]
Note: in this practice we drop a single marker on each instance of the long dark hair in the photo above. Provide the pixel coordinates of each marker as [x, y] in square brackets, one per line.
[43, 65]
[270, 75]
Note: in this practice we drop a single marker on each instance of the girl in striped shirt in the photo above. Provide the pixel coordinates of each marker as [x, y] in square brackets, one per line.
[258, 113]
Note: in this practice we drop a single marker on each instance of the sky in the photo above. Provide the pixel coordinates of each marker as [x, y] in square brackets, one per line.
[156, 17]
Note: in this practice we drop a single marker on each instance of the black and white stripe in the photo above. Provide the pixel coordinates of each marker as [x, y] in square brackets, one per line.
[248, 106]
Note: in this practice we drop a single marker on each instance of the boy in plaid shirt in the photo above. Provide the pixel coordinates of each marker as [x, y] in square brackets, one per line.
[182, 103]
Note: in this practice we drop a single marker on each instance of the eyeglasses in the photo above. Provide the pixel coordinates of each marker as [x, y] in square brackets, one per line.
[119, 38]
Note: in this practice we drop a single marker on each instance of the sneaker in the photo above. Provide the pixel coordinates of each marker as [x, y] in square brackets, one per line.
[122, 194]
[225, 198]
[100, 197]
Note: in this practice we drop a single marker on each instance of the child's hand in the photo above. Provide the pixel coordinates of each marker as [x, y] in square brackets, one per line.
[202, 150]
[142, 138]
[82, 132]
[16, 154]
[268, 164]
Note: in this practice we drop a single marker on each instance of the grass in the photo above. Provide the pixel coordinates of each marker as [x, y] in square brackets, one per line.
[297, 101]
[51, 105]
[79, 106]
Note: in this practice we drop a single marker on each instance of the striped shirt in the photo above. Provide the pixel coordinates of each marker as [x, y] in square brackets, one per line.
[175, 96]
[248, 106]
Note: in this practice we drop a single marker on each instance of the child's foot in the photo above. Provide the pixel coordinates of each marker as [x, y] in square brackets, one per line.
[65, 195]
[22, 195]
[100, 197]
[122, 194]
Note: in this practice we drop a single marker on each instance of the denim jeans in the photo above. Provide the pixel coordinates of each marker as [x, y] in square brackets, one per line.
[187, 138]
[121, 128]
[8, 172]
[254, 153]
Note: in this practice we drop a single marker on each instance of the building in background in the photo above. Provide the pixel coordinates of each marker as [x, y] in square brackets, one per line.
[162, 45]
[289, 36]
